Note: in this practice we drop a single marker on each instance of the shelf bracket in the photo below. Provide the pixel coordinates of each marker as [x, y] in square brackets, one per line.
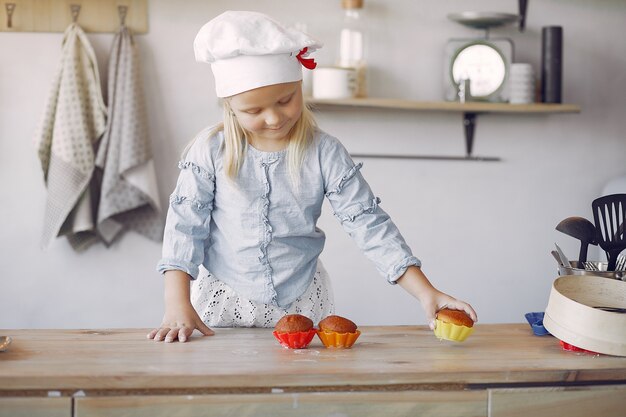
[469, 125]
[523, 5]
[428, 157]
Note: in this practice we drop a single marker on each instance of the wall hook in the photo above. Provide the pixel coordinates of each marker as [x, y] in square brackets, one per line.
[121, 10]
[75, 10]
[10, 8]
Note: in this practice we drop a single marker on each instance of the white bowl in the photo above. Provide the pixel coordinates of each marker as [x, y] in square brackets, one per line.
[573, 316]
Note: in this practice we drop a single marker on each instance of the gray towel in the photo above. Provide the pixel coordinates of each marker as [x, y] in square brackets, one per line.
[129, 196]
[74, 120]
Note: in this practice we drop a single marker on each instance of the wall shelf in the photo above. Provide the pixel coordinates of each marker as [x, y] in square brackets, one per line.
[446, 106]
[469, 111]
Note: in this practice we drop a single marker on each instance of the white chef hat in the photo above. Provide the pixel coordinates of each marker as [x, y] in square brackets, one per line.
[249, 50]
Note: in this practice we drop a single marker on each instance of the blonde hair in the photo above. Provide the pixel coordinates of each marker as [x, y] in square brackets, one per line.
[236, 139]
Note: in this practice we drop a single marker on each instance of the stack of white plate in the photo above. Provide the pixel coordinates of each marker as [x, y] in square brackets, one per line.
[521, 84]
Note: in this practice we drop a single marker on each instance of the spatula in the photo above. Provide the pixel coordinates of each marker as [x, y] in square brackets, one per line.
[581, 229]
[609, 213]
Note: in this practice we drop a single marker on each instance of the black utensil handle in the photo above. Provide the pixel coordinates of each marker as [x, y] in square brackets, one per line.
[582, 256]
[612, 260]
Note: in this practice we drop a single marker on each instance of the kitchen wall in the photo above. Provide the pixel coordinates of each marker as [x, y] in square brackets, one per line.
[483, 230]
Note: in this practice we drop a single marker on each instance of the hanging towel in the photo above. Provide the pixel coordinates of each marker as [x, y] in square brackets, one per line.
[74, 120]
[129, 196]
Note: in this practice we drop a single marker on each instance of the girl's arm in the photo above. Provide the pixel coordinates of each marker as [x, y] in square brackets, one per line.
[415, 283]
[180, 319]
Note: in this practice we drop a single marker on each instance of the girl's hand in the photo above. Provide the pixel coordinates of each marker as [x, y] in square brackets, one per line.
[415, 283]
[178, 324]
[436, 300]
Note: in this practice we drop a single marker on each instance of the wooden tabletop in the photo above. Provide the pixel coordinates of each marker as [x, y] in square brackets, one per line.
[251, 360]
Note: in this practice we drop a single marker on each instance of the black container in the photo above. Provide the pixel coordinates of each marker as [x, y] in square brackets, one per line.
[551, 64]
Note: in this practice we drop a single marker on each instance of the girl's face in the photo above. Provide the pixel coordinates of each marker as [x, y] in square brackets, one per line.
[269, 112]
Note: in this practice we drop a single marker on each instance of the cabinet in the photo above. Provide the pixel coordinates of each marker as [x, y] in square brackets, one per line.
[469, 112]
[607, 401]
[35, 407]
[373, 404]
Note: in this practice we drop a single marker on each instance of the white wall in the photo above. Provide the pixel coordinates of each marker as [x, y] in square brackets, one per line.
[482, 230]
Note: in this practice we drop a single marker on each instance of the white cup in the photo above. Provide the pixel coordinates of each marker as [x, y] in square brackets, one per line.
[334, 82]
[521, 84]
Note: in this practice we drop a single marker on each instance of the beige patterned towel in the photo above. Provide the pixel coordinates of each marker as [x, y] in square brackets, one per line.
[129, 196]
[74, 120]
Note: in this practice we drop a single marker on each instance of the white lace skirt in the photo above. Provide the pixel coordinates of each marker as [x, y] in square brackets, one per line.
[219, 305]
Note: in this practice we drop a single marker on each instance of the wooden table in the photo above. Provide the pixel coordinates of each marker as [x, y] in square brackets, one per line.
[501, 370]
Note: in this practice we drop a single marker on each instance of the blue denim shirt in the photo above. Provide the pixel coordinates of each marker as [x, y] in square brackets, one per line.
[260, 235]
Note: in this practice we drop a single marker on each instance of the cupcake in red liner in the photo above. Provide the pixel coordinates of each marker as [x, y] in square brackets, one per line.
[337, 332]
[294, 331]
[296, 340]
[572, 348]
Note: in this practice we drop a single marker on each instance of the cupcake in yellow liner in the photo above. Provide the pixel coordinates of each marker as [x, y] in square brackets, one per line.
[454, 325]
[337, 332]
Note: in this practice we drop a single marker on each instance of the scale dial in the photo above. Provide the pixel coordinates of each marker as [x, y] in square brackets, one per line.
[483, 64]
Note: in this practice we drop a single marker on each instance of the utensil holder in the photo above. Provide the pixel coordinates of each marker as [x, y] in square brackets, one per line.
[601, 272]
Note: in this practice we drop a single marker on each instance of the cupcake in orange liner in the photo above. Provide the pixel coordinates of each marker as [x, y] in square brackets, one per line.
[454, 325]
[294, 331]
[337, 332]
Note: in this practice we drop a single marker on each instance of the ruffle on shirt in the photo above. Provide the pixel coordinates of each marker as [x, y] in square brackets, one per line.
[357, 209]
[268, 230]
[193, 202]
[198, 170]
[344, 178]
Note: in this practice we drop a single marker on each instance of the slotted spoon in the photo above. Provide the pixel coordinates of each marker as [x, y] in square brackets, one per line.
[609, 213]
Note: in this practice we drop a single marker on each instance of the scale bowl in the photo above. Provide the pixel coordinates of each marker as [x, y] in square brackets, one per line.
[483, 20]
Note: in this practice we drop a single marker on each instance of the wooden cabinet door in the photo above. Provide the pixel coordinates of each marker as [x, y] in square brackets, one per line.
[362, 404]
[605, 401]
[35, 407]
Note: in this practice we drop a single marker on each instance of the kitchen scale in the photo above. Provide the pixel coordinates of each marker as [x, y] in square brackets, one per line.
[480, 65]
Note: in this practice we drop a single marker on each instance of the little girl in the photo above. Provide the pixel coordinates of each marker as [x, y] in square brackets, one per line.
[251, 190]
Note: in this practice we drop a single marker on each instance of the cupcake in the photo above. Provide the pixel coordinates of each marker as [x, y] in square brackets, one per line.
[337, 332]
[454, 325]
[294, 331]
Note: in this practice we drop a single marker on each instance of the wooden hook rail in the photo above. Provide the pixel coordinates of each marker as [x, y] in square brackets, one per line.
[91, 15]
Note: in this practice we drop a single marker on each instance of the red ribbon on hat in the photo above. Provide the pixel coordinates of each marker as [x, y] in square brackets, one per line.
[308, 63]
